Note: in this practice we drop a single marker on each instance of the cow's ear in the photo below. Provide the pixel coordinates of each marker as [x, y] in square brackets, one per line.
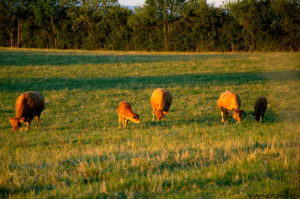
[165, 113]
[22, 119]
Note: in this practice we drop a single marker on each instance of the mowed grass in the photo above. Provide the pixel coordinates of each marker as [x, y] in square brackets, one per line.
[79, 151]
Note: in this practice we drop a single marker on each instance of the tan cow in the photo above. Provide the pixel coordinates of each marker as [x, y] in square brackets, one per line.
[28, 105]
[161, 101]
[230, 102]
[125, 113]
[260, 108]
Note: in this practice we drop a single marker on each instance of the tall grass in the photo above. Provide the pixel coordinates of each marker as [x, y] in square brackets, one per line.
[79, 151]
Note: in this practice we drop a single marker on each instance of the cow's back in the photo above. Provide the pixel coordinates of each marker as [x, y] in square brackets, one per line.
[29, 104]
[260, 105]
[167, 101]
[229, 100]
[161, 99]
[124, 109]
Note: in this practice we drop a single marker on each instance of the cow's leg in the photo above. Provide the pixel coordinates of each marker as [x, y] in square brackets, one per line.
[126, 122]
[37, 121]
[27, 125]
[123, 122]
[262, 116]
[153, 114]
[224, 115]
[120, 122]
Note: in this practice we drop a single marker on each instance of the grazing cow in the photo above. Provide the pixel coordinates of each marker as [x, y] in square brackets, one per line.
[28, 105]
[260, 108]
[125, 113]
[161, 101]
[229, 101]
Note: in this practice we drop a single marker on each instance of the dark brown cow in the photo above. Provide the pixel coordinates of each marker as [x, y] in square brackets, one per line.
[28, 105]
[260, 108]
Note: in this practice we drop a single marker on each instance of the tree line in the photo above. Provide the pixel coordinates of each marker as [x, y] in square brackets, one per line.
[158, 25]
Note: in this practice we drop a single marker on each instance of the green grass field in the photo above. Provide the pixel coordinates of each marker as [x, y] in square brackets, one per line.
[79, 151]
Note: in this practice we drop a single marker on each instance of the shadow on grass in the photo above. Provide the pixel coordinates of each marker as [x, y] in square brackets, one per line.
[202, 120]
[10, 112]
[144, 82]
[208, 120]
[213, 120]
[56, 59]
[5, 192]
[271, 117]
[289, 115]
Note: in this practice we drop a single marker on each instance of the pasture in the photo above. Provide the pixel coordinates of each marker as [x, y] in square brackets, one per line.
[79, 151]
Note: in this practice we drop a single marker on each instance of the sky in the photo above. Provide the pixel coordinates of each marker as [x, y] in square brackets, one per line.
[141, 2]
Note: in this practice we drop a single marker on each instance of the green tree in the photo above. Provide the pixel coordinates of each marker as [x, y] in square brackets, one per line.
[285, 27]
[176, 25]
[12, 14]
[47, 14]
[155, 18]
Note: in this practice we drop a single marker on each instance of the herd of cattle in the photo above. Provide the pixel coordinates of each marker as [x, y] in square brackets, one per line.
[31, 104]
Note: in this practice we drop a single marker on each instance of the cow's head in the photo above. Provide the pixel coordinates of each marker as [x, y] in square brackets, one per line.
[15, 123]
[135, 118]
[160, 115]
[238, 115]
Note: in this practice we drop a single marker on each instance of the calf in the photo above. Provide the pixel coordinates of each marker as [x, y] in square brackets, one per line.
[260, 108]
[28, 105]
[161, 101]
[125, 113]
[229, 101]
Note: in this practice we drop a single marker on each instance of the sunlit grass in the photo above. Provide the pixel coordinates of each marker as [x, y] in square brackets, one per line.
[79, 151]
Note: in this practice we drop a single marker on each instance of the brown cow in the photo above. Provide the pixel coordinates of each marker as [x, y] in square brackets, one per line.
[260, 108]
[125, 113]
[28, 105]
[161, 101]
[229, 101]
